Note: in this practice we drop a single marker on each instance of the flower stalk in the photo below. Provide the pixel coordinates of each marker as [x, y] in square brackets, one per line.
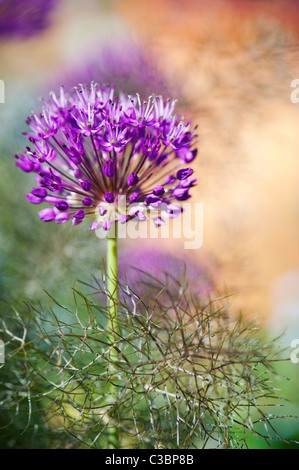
[113, 330]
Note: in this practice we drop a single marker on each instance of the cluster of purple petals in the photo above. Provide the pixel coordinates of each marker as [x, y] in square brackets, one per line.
[24, 18]
[89, 149]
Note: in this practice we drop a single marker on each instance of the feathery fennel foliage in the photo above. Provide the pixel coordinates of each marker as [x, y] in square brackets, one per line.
[187, 375]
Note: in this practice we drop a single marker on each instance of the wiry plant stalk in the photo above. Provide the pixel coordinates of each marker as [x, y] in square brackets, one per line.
[113, 332]
[175, 374]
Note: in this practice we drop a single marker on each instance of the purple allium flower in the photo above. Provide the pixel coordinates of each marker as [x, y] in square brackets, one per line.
[87, 201]
[39, 192]
[106, 225]
[61, 205]
[149, 269]
[78, 217]
[86, 185]
[62, 217]
[134, 197]
[170, 179]
[123, 218]
[184, 173]
[79, 174]
[47, 215]
[159, 221]
[24, 19]
[33, 199]
[109, 197]
[132, 179]
[158, 190]
[109, 168]
[181, 194]
[187, 155]
[102, 210]
[26, 163]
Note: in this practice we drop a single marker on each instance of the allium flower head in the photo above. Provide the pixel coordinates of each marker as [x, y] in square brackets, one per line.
[24, 19]
[108, 159]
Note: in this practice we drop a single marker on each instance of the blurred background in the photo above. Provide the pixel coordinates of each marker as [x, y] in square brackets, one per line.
[230, 64]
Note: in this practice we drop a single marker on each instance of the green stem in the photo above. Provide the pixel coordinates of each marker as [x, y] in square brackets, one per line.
[113, 330]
